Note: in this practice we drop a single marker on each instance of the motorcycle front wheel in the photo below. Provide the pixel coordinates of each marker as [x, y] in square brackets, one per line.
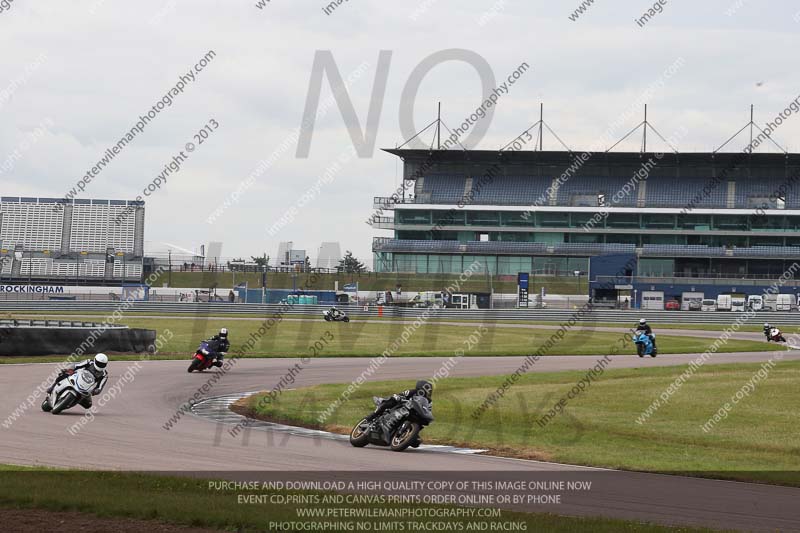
[194, 365]
[640, 350]
[359, 437]
[64, 403]
[405, 436]
[346, 319]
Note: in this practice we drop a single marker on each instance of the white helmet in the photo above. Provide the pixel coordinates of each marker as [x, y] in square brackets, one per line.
[100, 361]
[223, 333]
[766, 324]
[642, 321]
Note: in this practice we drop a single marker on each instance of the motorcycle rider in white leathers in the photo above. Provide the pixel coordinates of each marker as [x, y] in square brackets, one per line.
[97, 366]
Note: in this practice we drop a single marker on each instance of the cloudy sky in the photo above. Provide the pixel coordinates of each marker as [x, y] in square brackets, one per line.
[76, 76]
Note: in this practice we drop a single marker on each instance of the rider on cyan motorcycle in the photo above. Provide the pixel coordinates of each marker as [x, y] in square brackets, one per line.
[645, 328]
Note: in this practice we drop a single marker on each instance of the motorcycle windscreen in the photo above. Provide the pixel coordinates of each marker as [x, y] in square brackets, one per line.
[84, 382]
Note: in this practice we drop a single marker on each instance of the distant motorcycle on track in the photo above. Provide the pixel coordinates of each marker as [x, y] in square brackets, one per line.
[335, 316]
[401, 425]
[644, 345]
[775, 335]
[202, 359]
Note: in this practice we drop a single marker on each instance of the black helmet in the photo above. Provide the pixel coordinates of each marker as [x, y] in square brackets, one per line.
[424, 388]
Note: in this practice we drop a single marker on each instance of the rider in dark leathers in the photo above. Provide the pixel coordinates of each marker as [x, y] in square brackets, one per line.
[645, 328]
[422, 388]
[218, 345]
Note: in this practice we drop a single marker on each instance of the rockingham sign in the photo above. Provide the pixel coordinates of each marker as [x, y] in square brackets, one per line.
[33, 289]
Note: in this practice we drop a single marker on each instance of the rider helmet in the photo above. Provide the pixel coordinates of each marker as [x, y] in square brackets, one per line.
[100, 361]
[223, 333]
[424, 388]
[642, 321]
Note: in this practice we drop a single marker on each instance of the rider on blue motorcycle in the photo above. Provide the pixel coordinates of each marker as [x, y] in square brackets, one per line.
[645, 328]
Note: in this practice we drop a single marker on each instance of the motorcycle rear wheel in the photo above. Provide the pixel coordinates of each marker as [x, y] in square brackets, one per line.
[359, 438]
[65, 402]
[405, 436]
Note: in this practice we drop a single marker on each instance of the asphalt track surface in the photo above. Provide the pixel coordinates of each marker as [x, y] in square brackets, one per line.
[128, 434]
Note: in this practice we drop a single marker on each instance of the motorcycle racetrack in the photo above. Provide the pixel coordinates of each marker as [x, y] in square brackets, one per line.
[142, 428]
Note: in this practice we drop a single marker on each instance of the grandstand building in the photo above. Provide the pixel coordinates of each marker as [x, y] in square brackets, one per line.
[78, 241]
[693, 216]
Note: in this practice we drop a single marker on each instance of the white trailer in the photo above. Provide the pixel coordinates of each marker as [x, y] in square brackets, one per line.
[784, 302]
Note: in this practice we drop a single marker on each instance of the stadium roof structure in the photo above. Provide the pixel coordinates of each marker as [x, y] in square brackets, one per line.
[735, 163]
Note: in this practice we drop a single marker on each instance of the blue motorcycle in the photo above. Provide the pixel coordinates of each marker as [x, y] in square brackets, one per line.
[644, 346]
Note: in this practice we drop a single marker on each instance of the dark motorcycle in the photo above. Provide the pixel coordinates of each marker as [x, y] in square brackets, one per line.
[202, 359]
[402, 423]
[338, 317]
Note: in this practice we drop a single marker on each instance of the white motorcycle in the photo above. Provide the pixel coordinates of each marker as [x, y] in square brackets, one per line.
[338, 317]
[69, 391]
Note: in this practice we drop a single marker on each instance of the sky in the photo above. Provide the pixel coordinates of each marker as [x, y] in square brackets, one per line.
[75, 78]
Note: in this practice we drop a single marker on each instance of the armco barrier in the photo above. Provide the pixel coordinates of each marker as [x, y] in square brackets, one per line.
[627, 317]
[27, 341]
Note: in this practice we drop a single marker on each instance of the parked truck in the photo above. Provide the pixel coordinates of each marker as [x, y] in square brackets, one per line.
[724, 302]
[755, 302]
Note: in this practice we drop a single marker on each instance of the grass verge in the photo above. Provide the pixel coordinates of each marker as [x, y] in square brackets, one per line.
[368, 339]
[759, 440]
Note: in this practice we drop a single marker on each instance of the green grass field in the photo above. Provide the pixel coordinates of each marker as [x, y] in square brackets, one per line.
[759, 440]
[193, 502]
[362, 339]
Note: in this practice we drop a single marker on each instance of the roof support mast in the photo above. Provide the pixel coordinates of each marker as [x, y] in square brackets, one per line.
[644, 138]
[541, 123]
[439, 128]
